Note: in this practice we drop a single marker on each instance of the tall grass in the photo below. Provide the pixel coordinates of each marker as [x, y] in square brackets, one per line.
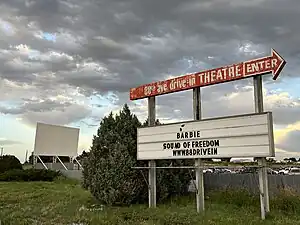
[286, 200]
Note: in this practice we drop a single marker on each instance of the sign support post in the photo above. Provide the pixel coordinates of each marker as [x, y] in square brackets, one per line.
[266, 185]
[152, 163]
[263, 175]
[198, 162]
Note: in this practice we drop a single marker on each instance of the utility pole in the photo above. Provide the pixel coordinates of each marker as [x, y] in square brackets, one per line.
[2, 149]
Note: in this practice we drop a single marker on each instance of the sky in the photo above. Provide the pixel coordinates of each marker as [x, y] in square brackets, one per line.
[71, 62]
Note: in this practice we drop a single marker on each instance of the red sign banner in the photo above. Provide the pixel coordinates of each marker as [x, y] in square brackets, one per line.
[269, 64]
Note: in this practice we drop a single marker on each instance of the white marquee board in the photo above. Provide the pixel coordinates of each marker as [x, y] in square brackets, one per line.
[249, 135]
[54, 140]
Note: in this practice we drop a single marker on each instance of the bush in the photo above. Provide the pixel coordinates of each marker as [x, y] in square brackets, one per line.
[108, 172]
[29, 175]
[9, 162]
[114, 181]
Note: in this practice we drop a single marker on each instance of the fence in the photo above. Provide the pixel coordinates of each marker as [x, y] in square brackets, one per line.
[212, 181]
[58, 166]
[233, 181]
[248, 181]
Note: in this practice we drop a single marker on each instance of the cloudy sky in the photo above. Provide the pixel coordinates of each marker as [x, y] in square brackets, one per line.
[71, 62]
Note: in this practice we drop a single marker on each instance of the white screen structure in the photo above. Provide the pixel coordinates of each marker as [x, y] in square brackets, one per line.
[249, 135]
[54, 140]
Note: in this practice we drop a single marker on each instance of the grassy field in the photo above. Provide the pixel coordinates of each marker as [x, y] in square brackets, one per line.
[65, 202]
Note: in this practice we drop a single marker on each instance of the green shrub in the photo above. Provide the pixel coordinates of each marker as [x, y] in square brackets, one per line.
[108, 172]
[29, 175]
[9, 162]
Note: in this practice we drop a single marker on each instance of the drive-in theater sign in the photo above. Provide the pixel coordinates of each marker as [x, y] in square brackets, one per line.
[248, 135]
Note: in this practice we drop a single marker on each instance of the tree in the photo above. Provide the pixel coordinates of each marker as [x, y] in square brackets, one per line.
[108, 172]
[107, 169]
[157, 122]
[83, 155]
[9, 162]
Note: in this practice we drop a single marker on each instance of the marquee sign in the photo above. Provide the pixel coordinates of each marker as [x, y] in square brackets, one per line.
[249, 135]
[269, 64]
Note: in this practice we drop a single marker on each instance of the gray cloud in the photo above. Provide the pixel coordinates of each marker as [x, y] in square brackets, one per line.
[36, 106]
[223, 102]
[290, 142]
[5, 142]
[65, 116]
[139, 42]
[48, 111]
[98, 47]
